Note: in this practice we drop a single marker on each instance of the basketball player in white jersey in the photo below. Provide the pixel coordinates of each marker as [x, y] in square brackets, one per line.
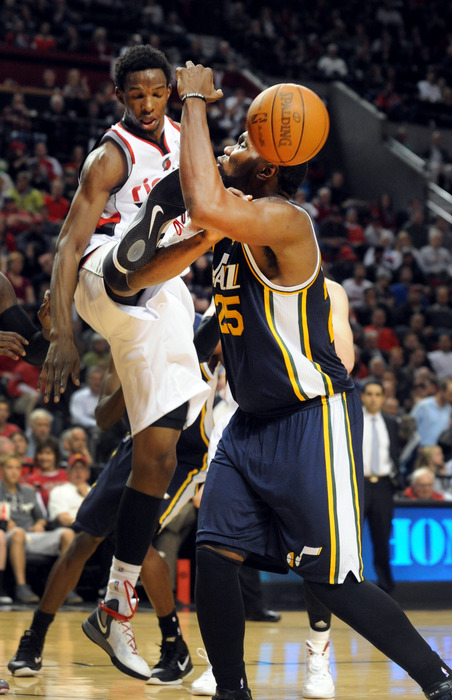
[150, 335]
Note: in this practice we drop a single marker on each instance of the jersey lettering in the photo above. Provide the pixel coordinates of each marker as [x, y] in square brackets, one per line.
[225, 276]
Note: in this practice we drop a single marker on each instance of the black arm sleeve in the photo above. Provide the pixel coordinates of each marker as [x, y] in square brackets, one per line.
[16, 320]
[207, 336]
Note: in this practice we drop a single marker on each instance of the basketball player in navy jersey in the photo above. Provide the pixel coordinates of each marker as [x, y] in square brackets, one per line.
[150, 333]
[286, 482]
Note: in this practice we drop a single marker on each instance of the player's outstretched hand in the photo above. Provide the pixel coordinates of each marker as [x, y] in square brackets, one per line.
[62, 362]
[197, 79]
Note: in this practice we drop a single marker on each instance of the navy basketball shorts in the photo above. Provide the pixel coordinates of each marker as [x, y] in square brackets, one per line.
[290, 489]
[97, 514]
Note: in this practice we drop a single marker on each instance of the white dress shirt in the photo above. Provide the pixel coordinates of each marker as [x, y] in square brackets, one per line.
[384, 461]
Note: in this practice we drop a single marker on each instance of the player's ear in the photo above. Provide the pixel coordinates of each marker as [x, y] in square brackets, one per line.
[119, 95]
[268, 170]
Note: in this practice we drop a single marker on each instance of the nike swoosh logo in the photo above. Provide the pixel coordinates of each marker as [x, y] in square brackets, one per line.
[183, 666]
[156, 210]
[38, 659]
[103, 628]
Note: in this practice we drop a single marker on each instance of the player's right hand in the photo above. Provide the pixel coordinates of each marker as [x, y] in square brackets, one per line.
[61, 362]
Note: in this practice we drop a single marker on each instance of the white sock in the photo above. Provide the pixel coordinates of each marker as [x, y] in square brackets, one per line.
[318, 639]
[121, 572]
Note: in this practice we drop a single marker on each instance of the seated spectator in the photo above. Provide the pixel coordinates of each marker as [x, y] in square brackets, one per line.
[20, 443]
[435, 260]
[75, 441]
[57, 205]
[428, 88]
[98, 354]
[22, 388]
[22, 286]
[355, 231]
[387, 339]
[47, 472]
[384, 209]
[50, 164]
[433, 414]
[25, 531]
[439, 314]
[25, 197]
[355, 286]
[38, 428]
[331, 66]
[83, 402]
[322, 202]
[99, 44]
[364, 311]
[44, 41]
[76, 87]
[432, 457]
[422, 486]
[375, 231]
[65, 500]
[6, 429]
[416, 227]
[441, 358]
[416, 302]
[333, 234]
[438, 161]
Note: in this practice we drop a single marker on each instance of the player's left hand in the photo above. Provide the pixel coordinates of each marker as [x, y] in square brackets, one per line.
[197, 79]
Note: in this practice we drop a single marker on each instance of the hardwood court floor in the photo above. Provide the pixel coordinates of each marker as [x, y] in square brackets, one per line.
[76, 668]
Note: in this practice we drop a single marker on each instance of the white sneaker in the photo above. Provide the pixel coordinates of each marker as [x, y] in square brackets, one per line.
[318, 681]
[206, 683]
[117, 639]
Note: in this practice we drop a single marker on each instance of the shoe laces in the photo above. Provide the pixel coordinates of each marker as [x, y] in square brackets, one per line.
[178, 227]
[317, 661]
[203, 655]
[28, 645]
[129, 636]
[168, 653]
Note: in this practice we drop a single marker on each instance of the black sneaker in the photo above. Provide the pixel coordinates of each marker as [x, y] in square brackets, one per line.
[138, 242]
[27, 660]
[244, 694]
[173, 665]
[439, 691]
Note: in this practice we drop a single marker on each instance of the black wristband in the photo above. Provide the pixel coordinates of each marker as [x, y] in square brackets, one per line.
[193, 94]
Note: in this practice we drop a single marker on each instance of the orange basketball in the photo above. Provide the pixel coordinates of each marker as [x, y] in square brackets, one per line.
[287, 124]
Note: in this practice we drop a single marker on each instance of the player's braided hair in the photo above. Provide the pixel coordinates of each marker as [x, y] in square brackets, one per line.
[140, 58]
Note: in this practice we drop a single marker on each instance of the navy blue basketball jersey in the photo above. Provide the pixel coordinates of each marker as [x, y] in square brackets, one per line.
[278, 342]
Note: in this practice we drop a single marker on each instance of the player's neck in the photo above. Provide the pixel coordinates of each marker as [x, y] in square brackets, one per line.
[137, 132]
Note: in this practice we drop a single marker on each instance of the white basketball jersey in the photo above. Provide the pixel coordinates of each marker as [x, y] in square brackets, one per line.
[147, 163]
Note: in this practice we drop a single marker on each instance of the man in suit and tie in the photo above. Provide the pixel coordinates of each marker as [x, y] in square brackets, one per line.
[381, 454]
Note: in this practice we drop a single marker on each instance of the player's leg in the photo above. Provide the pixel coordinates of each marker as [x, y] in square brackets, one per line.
[379, 619]
[175, 662]
[153, 463]
[62, 579]
[318, 681]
